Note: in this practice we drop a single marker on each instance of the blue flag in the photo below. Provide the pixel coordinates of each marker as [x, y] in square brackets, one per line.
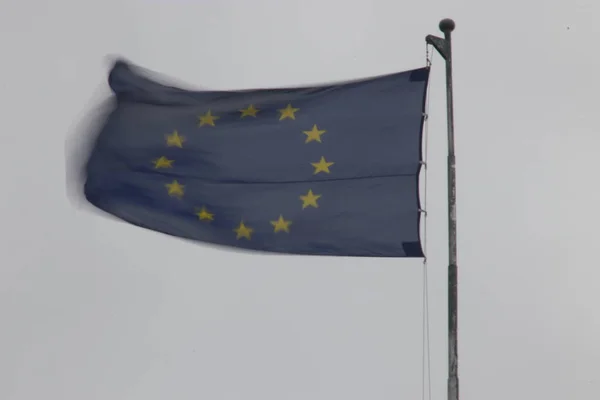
[325, 170]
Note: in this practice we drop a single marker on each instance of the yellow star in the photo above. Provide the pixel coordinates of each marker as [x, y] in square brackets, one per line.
[243, 231]
[175, 140]
[208, 119]
[163, 162]
[288, 112]
[310, 200]
[175, 189]
[281, 225]
[314, 134]
[250, 111]
[322, 166]
[204, 215]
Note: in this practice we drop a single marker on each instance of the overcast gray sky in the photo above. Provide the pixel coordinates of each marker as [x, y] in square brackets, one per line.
[92, 308]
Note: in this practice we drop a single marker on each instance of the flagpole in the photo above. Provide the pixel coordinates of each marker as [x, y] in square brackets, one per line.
[444, 48]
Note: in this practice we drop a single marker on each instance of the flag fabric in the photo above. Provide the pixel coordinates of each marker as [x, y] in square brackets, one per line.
[321, 170]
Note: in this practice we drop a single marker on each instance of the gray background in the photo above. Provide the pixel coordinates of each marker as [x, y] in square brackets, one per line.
[91, 308]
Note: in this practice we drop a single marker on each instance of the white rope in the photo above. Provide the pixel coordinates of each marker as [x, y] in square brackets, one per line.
[426, 360]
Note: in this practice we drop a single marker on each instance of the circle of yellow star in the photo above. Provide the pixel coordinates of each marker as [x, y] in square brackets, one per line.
[322, 166]
[175, 189]
[314, 134]
[243, 231]
[250, 111]
[288, 112]
[281, 225]
[208, 119]
[310, 200]
[175, 140]
[204, 215]
[163, 162]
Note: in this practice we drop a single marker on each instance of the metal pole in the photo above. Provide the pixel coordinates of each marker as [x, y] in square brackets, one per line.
[447, 26]
[444, 47]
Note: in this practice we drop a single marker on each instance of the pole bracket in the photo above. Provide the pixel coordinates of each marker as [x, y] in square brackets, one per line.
[441, 45]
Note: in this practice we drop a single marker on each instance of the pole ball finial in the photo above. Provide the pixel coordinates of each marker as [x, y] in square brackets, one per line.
[447, 25]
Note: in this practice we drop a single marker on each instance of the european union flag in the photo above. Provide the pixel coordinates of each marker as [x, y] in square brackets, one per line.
[328, 170]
